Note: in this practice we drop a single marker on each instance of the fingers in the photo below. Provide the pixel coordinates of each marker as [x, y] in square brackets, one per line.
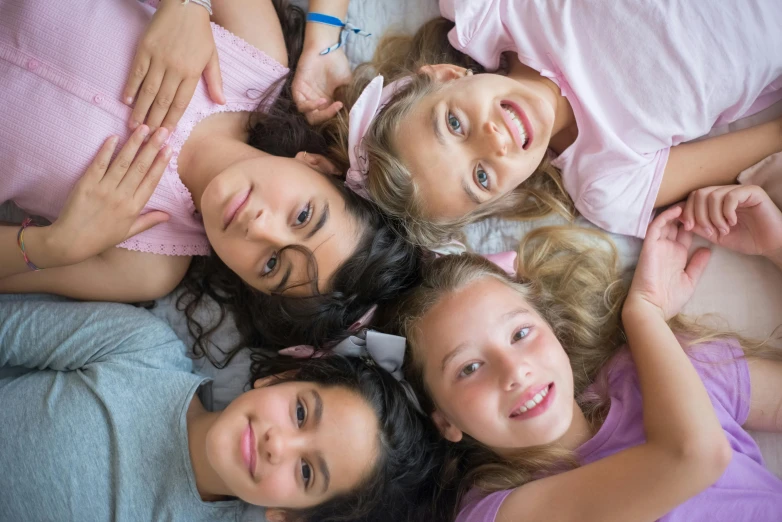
[181, 100]
[683, 237]
[138, 72]
[149, 182]
[164, 100]
[319, 116]
[145, 222]
[214, 80]
[122, 162]
[658, 227]
[100, 164]
[147, 94]
[697, 264]
[142, 164]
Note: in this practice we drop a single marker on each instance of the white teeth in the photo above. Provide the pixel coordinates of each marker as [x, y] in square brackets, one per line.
[522, 409]
[537, 399]
[544, 392]
[530, 404]
[516, 120]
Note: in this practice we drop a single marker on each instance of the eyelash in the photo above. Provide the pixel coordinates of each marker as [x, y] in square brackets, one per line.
[449, 116]
[308, 209]
[306, 476]
[310, 212]
[514, 340]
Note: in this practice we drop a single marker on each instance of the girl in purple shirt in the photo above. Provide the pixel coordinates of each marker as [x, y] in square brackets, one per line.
[547, 420]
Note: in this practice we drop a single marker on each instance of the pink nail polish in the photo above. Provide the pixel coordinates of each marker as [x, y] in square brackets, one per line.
[128, 100]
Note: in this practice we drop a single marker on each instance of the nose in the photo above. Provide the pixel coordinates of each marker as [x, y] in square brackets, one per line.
[276, 446]
[495, 141]
[265, 227]
[514, 370]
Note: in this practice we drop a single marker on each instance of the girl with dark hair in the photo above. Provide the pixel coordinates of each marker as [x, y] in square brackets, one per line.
[102, 421]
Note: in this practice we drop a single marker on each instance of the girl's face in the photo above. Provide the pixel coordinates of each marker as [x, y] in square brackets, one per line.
[474, 139]
[293, 445]
[495, 368]
[257, 207]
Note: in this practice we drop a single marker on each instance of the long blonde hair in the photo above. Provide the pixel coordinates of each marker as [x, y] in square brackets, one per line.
[390, 183]
[571, 276]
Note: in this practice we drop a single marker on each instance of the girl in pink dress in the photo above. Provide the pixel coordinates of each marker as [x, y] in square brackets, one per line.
[277, 223]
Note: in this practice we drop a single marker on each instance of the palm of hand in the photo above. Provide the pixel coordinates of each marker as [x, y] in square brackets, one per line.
[660, 276]
[317, 77]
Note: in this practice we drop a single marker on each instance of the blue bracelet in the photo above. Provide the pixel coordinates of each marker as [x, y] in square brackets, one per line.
[346, 27]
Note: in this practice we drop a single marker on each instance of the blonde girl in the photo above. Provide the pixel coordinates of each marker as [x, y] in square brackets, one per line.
[612, 92]
[548, 420]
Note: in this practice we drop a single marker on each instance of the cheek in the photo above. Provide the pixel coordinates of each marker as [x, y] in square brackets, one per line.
[277, 489]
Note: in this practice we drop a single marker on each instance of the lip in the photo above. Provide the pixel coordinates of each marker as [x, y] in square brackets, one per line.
[234, 206]
[248, 449]
[537, 410]
[524, 121]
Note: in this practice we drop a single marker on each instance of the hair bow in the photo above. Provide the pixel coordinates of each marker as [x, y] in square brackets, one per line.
[505, 260]
[371, 101]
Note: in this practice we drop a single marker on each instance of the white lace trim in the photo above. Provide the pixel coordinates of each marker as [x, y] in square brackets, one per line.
[166, 250]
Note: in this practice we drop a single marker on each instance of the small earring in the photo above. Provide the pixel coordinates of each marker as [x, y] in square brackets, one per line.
[305, 155]
[468, 73]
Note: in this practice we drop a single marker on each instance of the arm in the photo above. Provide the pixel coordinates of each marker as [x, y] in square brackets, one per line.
[63, 335]
[716, 161]
[765, 406]
[686, 449]
[256, 22]
[318, 76]
[117, 274]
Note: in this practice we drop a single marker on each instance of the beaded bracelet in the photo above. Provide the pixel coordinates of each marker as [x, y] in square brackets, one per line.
[345, 28]
[206, 4]
[20, 241]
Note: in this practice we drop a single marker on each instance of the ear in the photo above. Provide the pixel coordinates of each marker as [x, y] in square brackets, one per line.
[275, 515]
[447, 430]
[443, 72]
[320, 163]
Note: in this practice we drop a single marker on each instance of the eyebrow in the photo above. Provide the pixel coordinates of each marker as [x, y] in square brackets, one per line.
[324, 217]
[436, 126]
[322, 466]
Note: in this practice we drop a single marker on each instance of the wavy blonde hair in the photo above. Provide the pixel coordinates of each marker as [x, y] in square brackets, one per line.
[390, 183]
[572, 278]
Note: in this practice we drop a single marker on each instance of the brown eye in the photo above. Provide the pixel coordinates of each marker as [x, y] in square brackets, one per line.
[521, 334]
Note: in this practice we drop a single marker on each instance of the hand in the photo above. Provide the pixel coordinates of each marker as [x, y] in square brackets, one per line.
[739, 217]
[103, 208]
[316, 79]
[663, 277]
[177, 47]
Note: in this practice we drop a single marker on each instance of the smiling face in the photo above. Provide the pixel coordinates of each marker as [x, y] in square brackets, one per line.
[474, 139]
[258, 207]
[293, 445]
[494, 368]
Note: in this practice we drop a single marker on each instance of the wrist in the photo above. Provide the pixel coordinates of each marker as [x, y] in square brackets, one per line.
[41, 249]
[637, 307]
[319, 36]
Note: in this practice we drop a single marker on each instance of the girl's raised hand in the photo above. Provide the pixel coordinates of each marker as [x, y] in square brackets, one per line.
[317, 77]
[739, 217]
[177, 47]
[664, 277]
[103, 208]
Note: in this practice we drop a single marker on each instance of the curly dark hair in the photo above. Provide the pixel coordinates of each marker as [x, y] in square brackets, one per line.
[383, 265]
[410, 449]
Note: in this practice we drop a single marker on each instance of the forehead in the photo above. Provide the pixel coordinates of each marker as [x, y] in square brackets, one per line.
[348, 436]
[438, 170]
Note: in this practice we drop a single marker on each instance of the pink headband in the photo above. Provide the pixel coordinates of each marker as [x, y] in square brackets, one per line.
[369, 104]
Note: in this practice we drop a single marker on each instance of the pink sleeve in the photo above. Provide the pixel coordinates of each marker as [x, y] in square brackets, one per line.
[723, 369]
[620, 201]
[477, 508]
[479, 30]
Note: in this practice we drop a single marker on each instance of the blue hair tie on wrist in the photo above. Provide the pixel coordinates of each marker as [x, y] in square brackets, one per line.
[346, 27]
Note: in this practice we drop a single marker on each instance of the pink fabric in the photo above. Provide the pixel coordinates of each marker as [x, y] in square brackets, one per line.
[747, 491]
[641, 77]
[62, 69]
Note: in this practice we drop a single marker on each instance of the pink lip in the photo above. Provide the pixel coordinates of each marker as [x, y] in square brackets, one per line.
[248, 449]
[537, 410]
[524, 122]
[234, 206]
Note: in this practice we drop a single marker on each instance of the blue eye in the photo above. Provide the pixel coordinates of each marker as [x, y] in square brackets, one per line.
[482, 178]
[469, 369]
[270, 265]
[301, 413]
[521, 334]
[454, 123]
[304, 215]
[306, 473]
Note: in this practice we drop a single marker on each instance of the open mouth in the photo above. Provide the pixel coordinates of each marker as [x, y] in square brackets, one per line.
[518, 123]
[535, 404]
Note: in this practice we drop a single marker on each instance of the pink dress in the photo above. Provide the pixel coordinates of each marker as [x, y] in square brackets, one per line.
[63, 66]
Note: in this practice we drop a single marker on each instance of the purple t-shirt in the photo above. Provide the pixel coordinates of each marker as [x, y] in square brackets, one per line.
[747, 491]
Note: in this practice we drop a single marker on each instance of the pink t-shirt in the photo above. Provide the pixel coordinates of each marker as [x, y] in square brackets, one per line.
[641, 77]
[747, 491]
[63, 66]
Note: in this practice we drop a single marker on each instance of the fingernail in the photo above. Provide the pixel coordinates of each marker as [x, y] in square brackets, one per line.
[143, 130]
[724, 231]
[133, 125]
[167, 151]
[709, 231]
[128, 100]
[162, 133]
